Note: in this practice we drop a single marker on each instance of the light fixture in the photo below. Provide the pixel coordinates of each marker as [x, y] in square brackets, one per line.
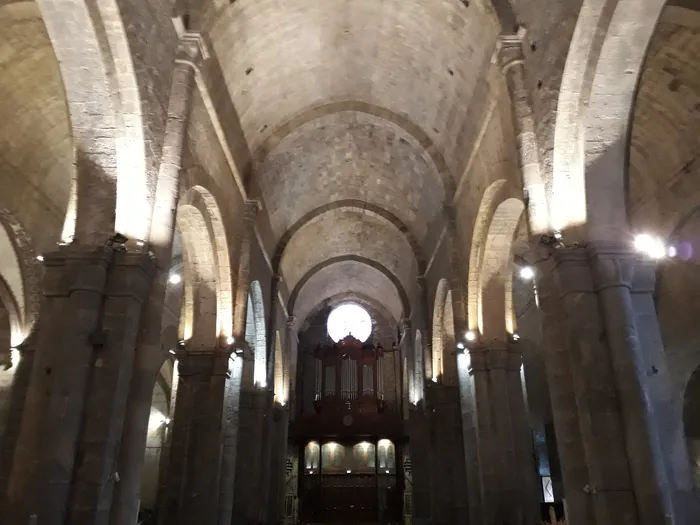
[348, 471]
[174, 278]
[139, 243]
[181, 343]
[172, 351]
[460, 346]
[434, 380]
[651, 246]
[239, 351]
[386, 471]
[672, 251]
[40, 258]
[527, 273]
[470, 335]
[166, 421]
[230, 340]
[514, 337]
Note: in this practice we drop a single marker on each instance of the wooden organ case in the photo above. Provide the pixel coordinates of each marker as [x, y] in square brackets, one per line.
[348, 446]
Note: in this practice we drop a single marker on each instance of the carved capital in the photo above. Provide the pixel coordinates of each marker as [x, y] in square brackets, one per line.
[192, 50]
[616, 264]
[203, 363]
[510, 52]
[251, 209]
[497, 355]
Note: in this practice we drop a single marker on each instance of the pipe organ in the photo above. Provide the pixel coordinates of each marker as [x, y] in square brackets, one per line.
[349, 372]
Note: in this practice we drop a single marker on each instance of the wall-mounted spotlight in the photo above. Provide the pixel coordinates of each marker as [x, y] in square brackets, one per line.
[172, 351]
[40, 258]
[181, 343]
[651, 246]
[514, 337]
[174, 278]
[527, 273]
[470, 336]
[460, 346]
[230, 340]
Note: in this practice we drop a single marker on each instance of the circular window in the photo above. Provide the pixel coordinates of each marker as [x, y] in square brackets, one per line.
[349, 319]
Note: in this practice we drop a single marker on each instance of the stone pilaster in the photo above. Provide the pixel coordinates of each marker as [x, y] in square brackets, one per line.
[21, 361]
[418, 430]
[248, 501]
[630, 421]
[250, 213]
[69, 332]
[191, 53]
[278, 461]
[196, 450]
[231, 424]
[512, 61]
[108, 388]
[448, 467]
[558, 365]
[506, 467]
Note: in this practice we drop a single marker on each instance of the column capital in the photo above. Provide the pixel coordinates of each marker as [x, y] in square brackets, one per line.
[497, 355]
[616, 264]
[601, 265]
[204, 363]
[251, 209]
[510, 50]
[192, 50]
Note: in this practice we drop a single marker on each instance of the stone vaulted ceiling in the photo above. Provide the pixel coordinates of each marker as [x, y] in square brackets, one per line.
[356, 113]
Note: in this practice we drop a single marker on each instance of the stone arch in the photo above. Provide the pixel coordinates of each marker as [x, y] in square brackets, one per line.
[281, 379]
[356, 204]
[495, 283]
[200, 281]
[206, 247]
[255, 333]
[92, 48]
[594, 113]
[494, 194]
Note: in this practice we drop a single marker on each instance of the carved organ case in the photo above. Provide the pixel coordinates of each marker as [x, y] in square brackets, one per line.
[349, 378]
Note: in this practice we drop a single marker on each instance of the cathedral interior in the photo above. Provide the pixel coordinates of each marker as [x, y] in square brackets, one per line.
[377, 262]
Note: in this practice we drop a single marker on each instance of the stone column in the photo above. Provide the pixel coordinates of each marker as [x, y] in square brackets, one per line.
[248, 490]
[149, 354]
[278, 462]
[22, 359]
[69, 331]
[420, 451]
[250, 213]
[448, 476]
[231, 424]
[512, 61]
[574, 469]
[196, 450]
[470, 438]
[630, 421]
[505, 447]
[95, 473]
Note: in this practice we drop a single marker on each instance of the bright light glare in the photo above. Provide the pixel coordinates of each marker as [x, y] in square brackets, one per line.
[230, 340]
[527, 273]
[40, 258]
[650, 246]
[672, 251]
[349, 319]
[175, 278]
[157, 420]
[470, 336]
